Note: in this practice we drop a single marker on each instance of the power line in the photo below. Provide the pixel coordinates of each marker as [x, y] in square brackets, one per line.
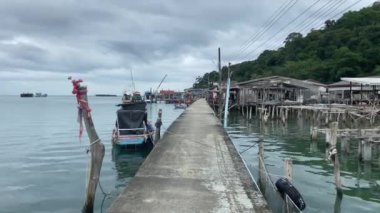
[332, 7]
[326, 13]
[295, 19]
[330, 3]
[346, 9]
[270, 19]
[260, 34]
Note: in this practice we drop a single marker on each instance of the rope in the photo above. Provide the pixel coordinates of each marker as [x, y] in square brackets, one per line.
[104, 193]
[94, 142]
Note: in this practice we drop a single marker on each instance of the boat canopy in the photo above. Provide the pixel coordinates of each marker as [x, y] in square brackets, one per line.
[131, 122]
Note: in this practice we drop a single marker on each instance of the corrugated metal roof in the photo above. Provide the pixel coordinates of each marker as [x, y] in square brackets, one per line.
[375, 81]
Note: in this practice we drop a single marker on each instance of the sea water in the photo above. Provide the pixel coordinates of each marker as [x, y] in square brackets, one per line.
[313, 174]
[43, 163]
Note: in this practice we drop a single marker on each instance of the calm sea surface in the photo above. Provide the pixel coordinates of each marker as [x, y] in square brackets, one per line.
[42, 163]
[313, 175]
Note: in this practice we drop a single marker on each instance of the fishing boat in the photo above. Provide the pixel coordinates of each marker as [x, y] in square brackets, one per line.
[41, 95]
[26, 95]
[180, 106]
[132, 129]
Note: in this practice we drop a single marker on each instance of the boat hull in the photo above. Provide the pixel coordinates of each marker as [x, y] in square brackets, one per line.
[133, 141]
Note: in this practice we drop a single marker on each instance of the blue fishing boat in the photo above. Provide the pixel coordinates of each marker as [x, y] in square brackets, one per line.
[132, 129]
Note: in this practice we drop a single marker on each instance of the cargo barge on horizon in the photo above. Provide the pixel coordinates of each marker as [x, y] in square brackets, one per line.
[26, 95]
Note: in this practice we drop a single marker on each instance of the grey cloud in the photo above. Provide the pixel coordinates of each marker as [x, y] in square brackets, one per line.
[101, 40]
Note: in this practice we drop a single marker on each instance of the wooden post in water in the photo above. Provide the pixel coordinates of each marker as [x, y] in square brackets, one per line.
[247, 112]
[314, 133]
[288, 169]
[96, 147]
[367, 150]
[334, 155]
[328, 135]
[344, 145]
[261, 160]
[282, 112]
[360, 149]
[158, 125]
[250, 112]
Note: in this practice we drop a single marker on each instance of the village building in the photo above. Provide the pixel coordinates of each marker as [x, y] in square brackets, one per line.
[355, 91]
[278, 90]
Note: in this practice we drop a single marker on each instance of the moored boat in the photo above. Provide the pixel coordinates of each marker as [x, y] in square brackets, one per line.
[40, 95]
[180, 106]
[132, 129]
[26, 95]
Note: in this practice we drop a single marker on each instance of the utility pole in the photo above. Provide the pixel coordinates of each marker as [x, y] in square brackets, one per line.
[220, 86]
[227, 97]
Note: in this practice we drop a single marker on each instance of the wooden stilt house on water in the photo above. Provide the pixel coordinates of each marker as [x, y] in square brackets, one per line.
[355, 90]
[278, 90]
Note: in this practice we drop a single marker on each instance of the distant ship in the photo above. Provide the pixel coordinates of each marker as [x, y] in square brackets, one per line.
[26, 95]
[105, 95]
[40, 95]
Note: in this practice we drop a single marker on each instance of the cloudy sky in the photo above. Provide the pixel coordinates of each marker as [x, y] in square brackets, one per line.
[42, 42]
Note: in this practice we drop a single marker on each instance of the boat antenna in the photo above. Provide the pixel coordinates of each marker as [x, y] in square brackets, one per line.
[133, 82]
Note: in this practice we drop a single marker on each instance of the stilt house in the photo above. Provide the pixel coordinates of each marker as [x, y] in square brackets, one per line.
[278, 90]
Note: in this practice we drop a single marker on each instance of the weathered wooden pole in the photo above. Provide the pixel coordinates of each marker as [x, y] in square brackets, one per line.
[360, 149]
[247, 112]
[250, 112]
[261, 161]
[96, 147]
[328, 135]
[338, 201]
[344, 145]
[367, 150]
[334, 155]
[314, 133]
[288, 168]
[158, 125]
[282, 112]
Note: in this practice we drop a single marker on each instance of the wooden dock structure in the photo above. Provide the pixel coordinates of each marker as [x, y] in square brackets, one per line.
[193, 168]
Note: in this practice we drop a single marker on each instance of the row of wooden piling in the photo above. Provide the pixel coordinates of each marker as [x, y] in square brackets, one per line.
[329, 118]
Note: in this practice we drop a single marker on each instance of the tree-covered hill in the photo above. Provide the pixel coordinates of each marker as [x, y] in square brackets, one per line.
[348, 47]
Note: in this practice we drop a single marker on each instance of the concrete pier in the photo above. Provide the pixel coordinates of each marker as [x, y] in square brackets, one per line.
[193, 168]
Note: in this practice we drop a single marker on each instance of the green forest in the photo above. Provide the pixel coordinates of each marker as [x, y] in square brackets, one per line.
[347, 47]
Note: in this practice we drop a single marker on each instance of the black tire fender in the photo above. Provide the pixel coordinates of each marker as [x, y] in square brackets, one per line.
[284, 186]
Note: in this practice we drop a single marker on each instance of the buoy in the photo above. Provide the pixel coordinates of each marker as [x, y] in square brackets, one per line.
[284, 186]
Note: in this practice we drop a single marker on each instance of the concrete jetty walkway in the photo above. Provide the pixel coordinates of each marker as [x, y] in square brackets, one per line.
[193, 168]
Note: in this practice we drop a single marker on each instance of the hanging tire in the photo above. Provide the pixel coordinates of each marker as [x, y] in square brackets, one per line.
[284, 186]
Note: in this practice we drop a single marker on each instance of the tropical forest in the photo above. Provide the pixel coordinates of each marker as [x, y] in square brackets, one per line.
[347, 47]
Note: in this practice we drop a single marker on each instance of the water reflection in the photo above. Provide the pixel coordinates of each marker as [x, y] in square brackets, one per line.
[127, 161]
[312, 172]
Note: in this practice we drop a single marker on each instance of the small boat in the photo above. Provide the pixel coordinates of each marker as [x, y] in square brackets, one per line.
[132, 129]
[40, 95]
[180, 106]
[26, 95]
